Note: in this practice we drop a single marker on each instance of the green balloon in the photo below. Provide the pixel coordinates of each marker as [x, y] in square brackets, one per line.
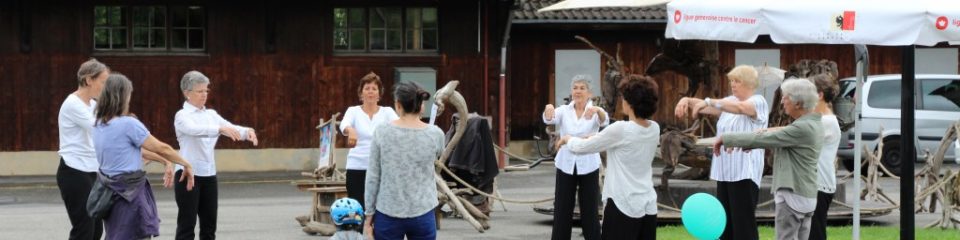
[703, 216]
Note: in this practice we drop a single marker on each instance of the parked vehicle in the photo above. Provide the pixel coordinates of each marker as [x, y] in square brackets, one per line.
[937, 108]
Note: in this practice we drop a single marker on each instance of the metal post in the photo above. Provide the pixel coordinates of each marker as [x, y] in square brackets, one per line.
[907, 150]
[862, 57]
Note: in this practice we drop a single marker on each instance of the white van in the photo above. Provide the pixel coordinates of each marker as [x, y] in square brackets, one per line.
[937, 108]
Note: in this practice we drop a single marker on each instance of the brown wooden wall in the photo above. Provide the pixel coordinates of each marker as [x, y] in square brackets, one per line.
[281, 92]
[532, 59]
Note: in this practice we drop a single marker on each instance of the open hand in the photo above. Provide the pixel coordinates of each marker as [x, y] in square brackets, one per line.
[563, 140]
[682, 107]
[368, 227]
[252, 136]
[168, 175]
[187, 175]
[230, 132]
[717, 145]
[590, 111]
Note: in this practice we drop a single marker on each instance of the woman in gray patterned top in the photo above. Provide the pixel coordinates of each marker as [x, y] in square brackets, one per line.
[400, 192]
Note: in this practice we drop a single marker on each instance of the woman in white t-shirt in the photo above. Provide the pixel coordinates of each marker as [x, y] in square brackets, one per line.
[826, 166]
[358, 125]
[78, 158]
[630, 211]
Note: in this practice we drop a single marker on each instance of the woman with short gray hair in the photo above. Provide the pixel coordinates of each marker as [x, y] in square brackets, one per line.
[78, 158]
[198, 129]
[796, 152]
[577, 174]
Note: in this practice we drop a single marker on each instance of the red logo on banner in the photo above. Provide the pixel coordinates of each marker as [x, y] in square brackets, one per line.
[849, 20]
[942, 23]
[677, 16]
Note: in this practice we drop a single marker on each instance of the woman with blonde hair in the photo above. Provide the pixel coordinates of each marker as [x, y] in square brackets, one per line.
[738, 173]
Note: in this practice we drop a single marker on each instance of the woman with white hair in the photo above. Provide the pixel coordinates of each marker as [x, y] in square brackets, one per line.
[577, 173]
[796, 152]
[738, 173]
[198, 129]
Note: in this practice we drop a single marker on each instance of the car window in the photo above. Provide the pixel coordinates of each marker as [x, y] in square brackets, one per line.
[847, 89]
[940, 94]
[884, 94]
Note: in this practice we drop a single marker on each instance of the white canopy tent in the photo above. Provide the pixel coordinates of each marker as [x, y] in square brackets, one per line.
[859, 22]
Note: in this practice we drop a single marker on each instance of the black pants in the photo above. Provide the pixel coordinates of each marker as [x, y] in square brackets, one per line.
[617, 226]
[75, 187]
[818, 225]
[356, 181]
[200, 202]
[566, 191]
[739, 200]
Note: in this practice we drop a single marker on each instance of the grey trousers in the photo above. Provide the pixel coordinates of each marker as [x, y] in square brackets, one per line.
[790, 224]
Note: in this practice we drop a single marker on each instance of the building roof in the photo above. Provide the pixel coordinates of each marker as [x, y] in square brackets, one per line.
[526, 12]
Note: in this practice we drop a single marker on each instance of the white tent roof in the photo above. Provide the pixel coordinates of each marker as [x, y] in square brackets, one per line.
[872, 22]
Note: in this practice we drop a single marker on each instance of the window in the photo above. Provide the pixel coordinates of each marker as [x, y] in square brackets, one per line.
[421, 28]
[385, 30]
[940, 95]
[187, 28]
[110, 28]
[885, 94]
[149, 28]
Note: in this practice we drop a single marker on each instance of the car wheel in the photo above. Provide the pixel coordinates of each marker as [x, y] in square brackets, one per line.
[892, 157]
[848, 164]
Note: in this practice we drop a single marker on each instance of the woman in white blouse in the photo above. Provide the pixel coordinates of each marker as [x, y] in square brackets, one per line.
[630, 211]
[198, 129]
[737, 172]
[358, 125]
[576, 173]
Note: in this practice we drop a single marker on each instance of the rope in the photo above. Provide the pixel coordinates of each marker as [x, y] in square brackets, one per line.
[478, 191]
[512, 155]
[923, 194]
[475, 190]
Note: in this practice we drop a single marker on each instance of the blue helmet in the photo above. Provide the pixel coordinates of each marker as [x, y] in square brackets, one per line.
[346, 211]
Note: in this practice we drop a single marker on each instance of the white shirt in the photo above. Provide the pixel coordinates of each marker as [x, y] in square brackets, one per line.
[565, 117]
[75, 122]
[198, 130]
[739, 165]
[630, 151]
[827, 180]
[359, 156]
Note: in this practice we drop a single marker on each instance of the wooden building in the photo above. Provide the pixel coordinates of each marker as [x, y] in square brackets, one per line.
[276, 66]
[281, 66]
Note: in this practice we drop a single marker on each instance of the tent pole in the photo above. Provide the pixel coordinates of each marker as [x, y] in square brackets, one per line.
[862, 58]
[907, 148]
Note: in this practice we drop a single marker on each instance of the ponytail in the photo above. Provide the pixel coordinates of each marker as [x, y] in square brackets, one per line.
[410, 96]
